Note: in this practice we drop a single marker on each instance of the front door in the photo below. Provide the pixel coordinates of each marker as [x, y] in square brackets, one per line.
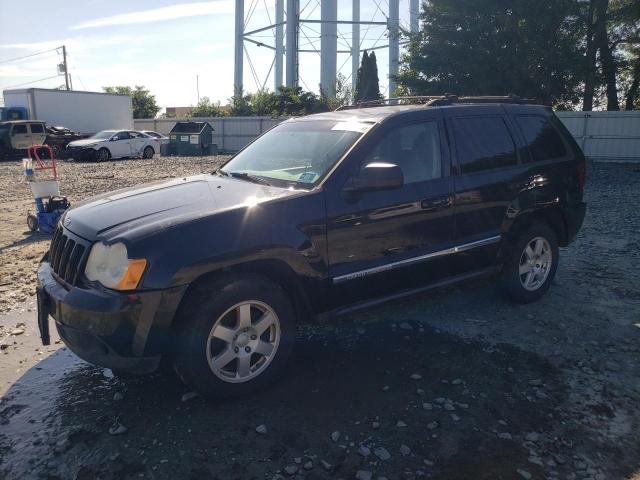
[383, 241]
[20, 136]
[38, 133]
[120, 145]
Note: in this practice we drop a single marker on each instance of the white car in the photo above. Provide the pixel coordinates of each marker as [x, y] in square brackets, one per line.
[109, 144]
[163, 138]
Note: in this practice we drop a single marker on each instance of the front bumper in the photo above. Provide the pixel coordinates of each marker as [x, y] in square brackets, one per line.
[124, 331]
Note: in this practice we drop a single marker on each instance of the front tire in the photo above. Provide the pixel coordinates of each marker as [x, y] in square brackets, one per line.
[103, 155]
[530, 264]
[234, 337]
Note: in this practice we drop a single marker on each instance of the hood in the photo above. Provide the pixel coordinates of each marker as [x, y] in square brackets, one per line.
[138, 211]
[84, 143]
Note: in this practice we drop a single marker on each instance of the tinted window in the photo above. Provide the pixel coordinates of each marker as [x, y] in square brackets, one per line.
[483, 143]
[37, 128]
[414, 148]
[543, 140]
[17, 129]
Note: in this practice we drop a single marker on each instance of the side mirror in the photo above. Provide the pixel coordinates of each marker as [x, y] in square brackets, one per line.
[376, 176]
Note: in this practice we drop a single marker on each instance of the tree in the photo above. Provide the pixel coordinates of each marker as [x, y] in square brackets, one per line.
[493, 47]
[240, 104]
[207, 108]
[144, 104]
[367, 83]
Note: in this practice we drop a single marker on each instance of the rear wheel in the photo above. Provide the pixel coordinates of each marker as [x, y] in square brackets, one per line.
[234, 337]
[103, 155]
[531, 264]
[148, 152]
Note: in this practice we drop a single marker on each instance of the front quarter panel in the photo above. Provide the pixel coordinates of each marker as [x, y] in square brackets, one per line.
[290, 230]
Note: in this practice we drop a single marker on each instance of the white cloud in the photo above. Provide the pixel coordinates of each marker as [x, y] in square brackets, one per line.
[172, 12]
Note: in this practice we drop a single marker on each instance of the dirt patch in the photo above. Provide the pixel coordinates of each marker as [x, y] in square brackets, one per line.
[21, 250]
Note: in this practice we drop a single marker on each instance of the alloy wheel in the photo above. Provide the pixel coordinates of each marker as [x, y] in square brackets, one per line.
[535, 263]
[243, 341]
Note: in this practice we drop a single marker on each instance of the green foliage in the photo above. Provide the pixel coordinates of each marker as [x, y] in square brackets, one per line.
[144, 104]
[207, 108]
[493, 47]
[367, 83]
[287, 101]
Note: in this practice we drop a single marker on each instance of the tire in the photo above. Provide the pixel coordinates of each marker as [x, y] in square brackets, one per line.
[148, 152]
[104, 155]
[531, 263]
[219, 328]
[32, 222]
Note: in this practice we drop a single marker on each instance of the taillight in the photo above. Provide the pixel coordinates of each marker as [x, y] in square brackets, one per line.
[581, 174]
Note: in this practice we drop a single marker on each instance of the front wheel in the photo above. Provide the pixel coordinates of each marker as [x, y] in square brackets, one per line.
[531, 263]
[235, 336]
[103, 155]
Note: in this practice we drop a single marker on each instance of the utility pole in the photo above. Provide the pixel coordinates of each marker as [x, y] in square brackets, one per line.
[198, 88]
[66, 69]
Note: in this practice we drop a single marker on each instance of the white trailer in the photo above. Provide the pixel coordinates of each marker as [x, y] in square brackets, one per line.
[84, 112]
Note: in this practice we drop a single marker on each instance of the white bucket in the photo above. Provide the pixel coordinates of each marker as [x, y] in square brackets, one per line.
[49, 188]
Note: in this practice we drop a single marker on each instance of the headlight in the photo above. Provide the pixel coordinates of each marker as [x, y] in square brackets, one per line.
[110, 265]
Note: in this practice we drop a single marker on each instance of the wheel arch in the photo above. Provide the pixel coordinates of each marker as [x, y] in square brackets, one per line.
[276, 271]
[551, 216]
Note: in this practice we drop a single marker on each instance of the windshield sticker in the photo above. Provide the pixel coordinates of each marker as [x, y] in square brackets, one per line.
[308, 177]
[352, 126]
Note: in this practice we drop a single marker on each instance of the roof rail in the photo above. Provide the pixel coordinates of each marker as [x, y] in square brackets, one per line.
[437, 100]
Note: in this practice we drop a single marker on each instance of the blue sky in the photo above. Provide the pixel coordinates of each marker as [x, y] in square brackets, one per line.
[161, 44]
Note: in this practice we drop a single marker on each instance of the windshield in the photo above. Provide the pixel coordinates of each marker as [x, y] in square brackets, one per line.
[103, 135]
[296, 153]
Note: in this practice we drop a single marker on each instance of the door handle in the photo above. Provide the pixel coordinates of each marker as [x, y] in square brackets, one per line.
[435, 204]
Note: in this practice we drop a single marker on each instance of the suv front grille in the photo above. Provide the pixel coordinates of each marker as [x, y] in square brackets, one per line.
[67, 257]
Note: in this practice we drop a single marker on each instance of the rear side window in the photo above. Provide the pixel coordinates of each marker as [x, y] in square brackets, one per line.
[543, 140]
[37, 128]
[19, 129]
[483, 143]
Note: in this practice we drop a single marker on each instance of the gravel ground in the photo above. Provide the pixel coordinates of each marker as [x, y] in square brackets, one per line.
[456, 384]
[20, 250]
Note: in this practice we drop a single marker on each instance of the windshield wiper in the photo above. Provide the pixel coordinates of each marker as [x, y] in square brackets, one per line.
[245, 176]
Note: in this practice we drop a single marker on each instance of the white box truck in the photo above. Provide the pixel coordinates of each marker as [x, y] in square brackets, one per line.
[84, 112]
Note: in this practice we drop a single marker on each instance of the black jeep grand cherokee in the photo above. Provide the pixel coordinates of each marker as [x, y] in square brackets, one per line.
[322, 214]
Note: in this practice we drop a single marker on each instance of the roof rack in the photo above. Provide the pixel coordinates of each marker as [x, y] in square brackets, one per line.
[437, 100]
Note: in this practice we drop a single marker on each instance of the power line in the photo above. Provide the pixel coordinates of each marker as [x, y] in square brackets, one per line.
[33, 81]
[29, 56]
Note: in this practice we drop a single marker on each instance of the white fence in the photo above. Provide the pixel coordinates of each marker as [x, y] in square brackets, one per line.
[605, 136]
[230, 133]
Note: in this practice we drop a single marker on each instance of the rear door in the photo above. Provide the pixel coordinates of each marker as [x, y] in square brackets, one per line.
[38, 133]
[20, 136]
[491, 184]
[138, 142]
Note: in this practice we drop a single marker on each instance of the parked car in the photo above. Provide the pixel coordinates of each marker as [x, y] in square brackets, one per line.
[59, 137]
[163, 138]
[109, 144]
[321, 215]
[16, 136]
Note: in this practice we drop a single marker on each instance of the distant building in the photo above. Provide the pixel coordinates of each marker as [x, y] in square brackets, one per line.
[178, 111]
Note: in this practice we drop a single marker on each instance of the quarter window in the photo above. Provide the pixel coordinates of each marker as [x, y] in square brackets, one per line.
[542, 139]
[414, 148]
[483, 143]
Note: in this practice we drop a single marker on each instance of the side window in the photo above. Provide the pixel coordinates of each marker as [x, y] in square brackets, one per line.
[122, 136]
[37, 128]
[542, 139]
[414, 148]
[19, 129]
[483, 143]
